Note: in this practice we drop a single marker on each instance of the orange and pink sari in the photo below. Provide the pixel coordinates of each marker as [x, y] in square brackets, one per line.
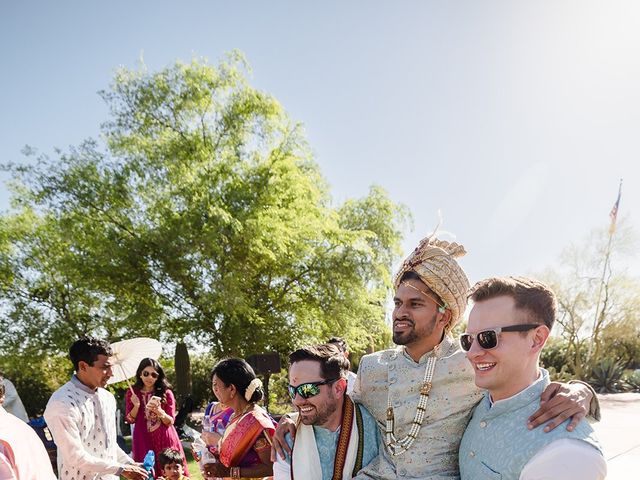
[244, 437]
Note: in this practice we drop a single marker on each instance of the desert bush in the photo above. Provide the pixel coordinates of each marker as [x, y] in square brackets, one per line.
[632, 380]
[606, 376]
[554, 358]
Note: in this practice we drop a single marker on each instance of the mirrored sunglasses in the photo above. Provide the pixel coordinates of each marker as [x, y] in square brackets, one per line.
[147, 373]
[308, 390]
[488, 339]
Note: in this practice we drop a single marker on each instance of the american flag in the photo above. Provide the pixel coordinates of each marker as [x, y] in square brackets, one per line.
[614, 211]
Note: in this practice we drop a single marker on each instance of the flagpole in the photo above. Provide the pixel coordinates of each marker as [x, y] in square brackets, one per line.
[612, 229]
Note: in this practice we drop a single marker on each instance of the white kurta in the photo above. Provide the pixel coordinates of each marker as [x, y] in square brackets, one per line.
[83, 424]
[392, 373]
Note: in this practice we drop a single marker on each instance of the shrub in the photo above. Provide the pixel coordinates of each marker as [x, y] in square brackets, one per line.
[554, 358]
[632, 380]
[563, 375]
[606, 376]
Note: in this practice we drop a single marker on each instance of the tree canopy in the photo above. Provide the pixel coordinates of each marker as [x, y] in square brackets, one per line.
[200, 216]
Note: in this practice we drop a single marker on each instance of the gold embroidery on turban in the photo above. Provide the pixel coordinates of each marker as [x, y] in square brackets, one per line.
[434, 262]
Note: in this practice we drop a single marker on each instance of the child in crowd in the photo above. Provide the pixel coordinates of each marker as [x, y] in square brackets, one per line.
[170, 461]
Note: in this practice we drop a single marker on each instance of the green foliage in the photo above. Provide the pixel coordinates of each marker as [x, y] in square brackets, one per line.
[279, 401]
[632, 380]
[203, 219]
[597, 303]
[606, 376]
[622, 341]
[554, 356]
[35, 378]
[201, 366]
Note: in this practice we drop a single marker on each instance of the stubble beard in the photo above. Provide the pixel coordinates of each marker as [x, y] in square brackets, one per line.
[322, 415]
[412, 336]
[405, 338]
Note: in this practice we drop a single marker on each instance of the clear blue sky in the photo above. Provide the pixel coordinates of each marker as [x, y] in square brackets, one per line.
[515, 118]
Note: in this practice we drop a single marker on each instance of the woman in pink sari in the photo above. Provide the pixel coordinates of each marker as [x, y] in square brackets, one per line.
[243, 451]
[151, 408]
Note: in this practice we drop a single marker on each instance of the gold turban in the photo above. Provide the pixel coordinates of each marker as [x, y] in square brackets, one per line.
[434, 262]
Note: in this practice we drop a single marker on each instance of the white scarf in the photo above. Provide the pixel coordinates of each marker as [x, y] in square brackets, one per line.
[305, 458]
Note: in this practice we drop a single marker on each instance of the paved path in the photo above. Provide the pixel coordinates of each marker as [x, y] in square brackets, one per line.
[619, 432]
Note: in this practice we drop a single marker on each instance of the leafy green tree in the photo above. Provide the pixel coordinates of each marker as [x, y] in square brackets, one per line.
[589, 335]
[201, 218]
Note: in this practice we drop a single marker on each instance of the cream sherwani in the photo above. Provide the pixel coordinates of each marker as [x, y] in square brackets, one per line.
[393, 374]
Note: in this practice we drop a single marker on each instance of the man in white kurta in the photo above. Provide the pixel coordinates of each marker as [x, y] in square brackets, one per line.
[81, 416]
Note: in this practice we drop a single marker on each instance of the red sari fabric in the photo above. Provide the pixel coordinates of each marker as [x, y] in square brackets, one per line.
[236, 447]
[164, 436]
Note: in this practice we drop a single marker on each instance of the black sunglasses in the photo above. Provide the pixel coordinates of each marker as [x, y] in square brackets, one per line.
[488, 339]
[308, 390]
[146, 373]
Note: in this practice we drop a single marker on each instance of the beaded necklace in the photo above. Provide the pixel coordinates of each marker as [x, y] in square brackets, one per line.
[398, 447]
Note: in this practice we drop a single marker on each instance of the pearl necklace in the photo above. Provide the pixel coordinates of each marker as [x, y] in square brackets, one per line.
[398, 447]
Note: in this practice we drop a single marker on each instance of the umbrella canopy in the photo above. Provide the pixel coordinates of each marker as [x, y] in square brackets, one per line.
[127, 355]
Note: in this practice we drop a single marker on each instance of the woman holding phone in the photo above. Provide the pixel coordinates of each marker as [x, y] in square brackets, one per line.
[151, 409]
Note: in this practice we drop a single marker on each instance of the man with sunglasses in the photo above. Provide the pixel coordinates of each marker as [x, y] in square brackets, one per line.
[422, 392]
[508, 327]
[81, 416]
[335, 437]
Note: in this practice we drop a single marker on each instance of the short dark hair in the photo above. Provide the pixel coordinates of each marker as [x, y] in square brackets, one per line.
[530, 295]
[2, 389]
[339, 342]
[237, 372]
[168, 456]
[333, 363]
[87, 350]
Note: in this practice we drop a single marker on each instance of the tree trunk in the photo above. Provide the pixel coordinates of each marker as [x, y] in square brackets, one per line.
[183, 372]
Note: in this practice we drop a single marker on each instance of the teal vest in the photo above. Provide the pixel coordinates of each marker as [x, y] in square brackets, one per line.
[497, 443]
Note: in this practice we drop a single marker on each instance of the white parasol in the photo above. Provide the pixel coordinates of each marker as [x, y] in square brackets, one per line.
[127, 355]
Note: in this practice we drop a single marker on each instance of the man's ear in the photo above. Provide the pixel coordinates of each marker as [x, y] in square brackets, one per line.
[82, 366]
[340, 386]
[539, 338]
[445, 317]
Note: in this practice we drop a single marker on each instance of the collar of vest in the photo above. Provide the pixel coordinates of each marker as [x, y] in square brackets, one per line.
[519, 400]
